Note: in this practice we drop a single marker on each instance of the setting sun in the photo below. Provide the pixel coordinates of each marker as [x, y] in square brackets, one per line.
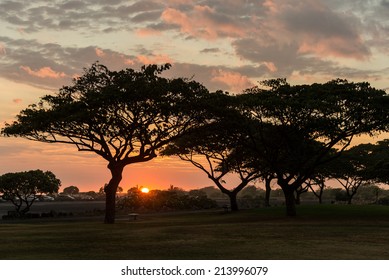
[144, 190]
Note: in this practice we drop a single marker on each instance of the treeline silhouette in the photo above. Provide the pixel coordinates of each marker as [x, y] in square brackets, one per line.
[274, 131]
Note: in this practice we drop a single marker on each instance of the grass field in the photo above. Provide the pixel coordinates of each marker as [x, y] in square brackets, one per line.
[319, 232]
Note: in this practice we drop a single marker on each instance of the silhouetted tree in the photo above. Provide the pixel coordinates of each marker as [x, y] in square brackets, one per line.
[71, 190]
[163, 200]
[317, 184]
[268, 178]
[379, 154]
[215, 149]
[23, 188]
[123, 116]
[299, 191]
[294, 128]
[358, 166]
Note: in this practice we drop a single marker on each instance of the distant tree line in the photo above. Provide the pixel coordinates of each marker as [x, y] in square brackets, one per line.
[165, 200]
[292, 134]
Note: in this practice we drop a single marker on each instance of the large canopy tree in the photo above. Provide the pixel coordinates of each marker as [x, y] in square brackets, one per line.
[23, 188]
[123, 116]
[294, 128]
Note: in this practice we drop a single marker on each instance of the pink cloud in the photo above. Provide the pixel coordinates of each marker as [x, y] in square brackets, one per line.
[202, 22]
[180, 2]
[334, 46]
[271, 6]
[234, 80]
[314, 28]
[3, 51]
[270, 66]
[99, 52]
[45, 72]
[144, 32]
[17, 100]
[154, 59]
[129, 62]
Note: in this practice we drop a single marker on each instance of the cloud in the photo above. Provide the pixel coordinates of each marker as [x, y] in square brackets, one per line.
[270, 66]
[203, 22]
[45, 72]
[234, 80]
[99, 52]
[3, 51]
[51, 66]
[210, 50]
[316, 28]
[259, 38]
[154, 59]
[17, 100]
[144, 32]
[146, 17]
[60, 15]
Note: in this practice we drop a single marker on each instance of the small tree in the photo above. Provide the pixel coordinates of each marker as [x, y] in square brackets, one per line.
[317, 184]
[353, 168]
[71, 190]
[23, 188]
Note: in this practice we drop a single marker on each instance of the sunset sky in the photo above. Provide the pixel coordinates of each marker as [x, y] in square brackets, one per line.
[224, 44]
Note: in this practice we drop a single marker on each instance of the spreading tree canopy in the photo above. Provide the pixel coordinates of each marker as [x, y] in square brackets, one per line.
[218, 148]
[353, 168]
[23, 188]
[295, 128]
[123, 116]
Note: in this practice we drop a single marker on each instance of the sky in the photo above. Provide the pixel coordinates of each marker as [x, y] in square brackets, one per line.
[224, 44]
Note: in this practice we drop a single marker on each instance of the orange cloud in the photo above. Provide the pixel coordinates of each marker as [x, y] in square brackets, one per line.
[17, 100]
[144, 32]
[269, 4]
[99, 52]
[270, 66]
[235, 81]
[334, 46]
[202, 22]
[3, 51]
[45, 72]
[129, 62]
[154, 59]
[179, 2]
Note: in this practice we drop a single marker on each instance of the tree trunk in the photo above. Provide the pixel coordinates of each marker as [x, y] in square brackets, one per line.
[233, 201]
[268, 190]
[297, 198]
[110, 193]
[290, 200]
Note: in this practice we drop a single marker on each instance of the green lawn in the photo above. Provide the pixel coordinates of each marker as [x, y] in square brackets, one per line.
[319, 232]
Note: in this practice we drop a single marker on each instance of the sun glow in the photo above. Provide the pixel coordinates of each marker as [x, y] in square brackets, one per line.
[144, 190]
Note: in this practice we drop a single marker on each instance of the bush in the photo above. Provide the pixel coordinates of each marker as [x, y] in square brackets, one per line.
[159, 200]
[383, 200]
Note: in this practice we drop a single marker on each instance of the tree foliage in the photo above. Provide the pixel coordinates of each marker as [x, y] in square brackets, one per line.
[217, 149]
[23, 188]
[71, 190]
[165, 200]
[123, 116]
[295, 128]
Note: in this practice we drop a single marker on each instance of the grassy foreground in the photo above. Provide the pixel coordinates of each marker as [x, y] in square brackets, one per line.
[319, 232]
